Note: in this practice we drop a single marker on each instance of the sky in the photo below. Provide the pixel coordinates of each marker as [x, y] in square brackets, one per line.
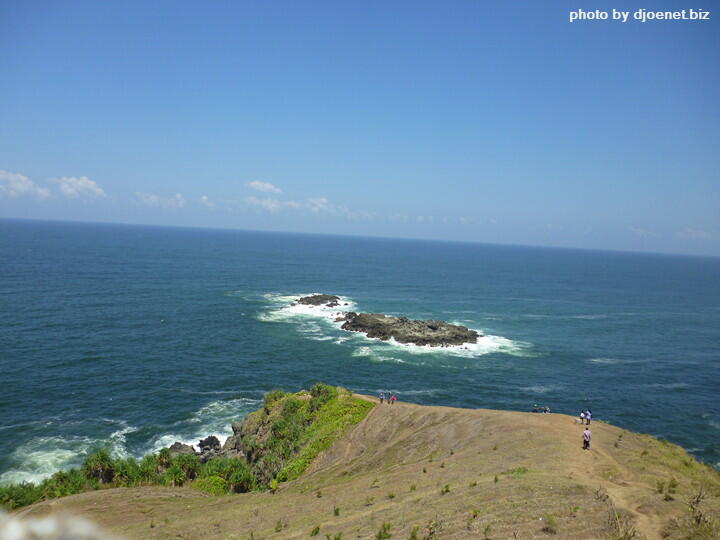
[497, 122]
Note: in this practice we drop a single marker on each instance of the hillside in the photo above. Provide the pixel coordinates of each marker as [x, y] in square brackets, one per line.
[440, 472]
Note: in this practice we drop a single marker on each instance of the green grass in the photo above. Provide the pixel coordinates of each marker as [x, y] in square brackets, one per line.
[300, 428]
[331, 419]
[518, 472]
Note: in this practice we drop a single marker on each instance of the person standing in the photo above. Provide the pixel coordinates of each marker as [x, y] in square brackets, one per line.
[393, 399]
[382, 396]
[586, 439]
[582, 417]
[588, 416]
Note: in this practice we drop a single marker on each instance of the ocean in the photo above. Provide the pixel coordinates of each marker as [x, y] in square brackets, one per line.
[133, 337]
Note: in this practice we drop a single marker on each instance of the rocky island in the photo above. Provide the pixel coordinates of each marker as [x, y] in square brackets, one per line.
[403, 330]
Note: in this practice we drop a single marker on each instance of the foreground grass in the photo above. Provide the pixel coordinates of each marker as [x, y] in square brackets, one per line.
[295, 428]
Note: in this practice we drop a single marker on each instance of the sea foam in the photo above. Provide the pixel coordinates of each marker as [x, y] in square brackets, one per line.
[215, 418]
[285, 309]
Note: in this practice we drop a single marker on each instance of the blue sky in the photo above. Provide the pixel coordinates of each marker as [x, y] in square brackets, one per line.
[478, 121]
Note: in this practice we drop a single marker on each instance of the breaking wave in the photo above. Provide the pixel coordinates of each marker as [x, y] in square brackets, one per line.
[215, 418]
[320, 323]
[40, 457]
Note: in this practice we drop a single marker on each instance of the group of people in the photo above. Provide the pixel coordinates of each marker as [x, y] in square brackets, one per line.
[387, 396]
[585, 417]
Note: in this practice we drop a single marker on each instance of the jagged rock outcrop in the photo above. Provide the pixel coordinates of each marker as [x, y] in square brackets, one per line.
[180, 448]
[404, 330]
[210, 448]
[401, 329]
[329, 300]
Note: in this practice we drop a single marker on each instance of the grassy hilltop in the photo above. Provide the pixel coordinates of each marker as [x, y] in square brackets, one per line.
[326, 464]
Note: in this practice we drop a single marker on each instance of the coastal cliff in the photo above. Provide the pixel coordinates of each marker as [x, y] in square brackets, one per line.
[423, 472]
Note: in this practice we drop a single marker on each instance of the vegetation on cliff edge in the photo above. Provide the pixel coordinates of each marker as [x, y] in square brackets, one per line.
[280, 441]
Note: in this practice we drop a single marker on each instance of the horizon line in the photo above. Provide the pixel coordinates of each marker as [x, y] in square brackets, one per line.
[367, 236]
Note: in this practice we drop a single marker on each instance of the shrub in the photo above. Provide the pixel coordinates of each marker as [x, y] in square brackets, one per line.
[99, 466]
[17, 495]
[164, 458]
[234, 471]
[551, 525]
[384, 532]
[214, 485]
[516, 472]
[321, 394]
[241, 480]
[127, 472]
[315, 531]
[272, 396]
[174, 475]
[189, 464]
[445, 489]
[63, 483]
[148, 470]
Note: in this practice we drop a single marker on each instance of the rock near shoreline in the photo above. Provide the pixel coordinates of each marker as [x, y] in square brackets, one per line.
[403, 330]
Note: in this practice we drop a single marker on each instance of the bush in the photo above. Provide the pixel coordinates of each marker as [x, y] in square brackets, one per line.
[321, 394]
[164, 457]
[99, 466]
[127, 472]
[551, 525]
[188, 463]
[272, 396]
[214, 485]
[384, 532]
[17, 495]
[233, 471]
[174, 475]
[63, 483]
[148, 472]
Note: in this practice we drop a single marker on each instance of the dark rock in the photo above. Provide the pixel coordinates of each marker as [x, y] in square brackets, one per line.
[208, 444]
[404, 330]
[180, 448]
[328, 300]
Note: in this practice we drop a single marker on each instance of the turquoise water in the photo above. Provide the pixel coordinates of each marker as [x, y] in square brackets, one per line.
[133, 337]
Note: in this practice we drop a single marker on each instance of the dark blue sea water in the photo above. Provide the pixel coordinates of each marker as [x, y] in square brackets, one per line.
[133, 337]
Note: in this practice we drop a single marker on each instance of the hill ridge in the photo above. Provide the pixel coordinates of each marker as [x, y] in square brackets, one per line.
[442, 472]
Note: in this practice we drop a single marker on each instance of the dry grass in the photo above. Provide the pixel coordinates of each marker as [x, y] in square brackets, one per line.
[538, 471]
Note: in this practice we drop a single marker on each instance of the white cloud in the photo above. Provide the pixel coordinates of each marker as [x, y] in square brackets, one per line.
[265, 187]
[271, 205]
[151, 199]
[79, 187]
[643, 233]
[16, 185]
[319, 206]
[695, 234]
[425, 219]
[205, 200]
